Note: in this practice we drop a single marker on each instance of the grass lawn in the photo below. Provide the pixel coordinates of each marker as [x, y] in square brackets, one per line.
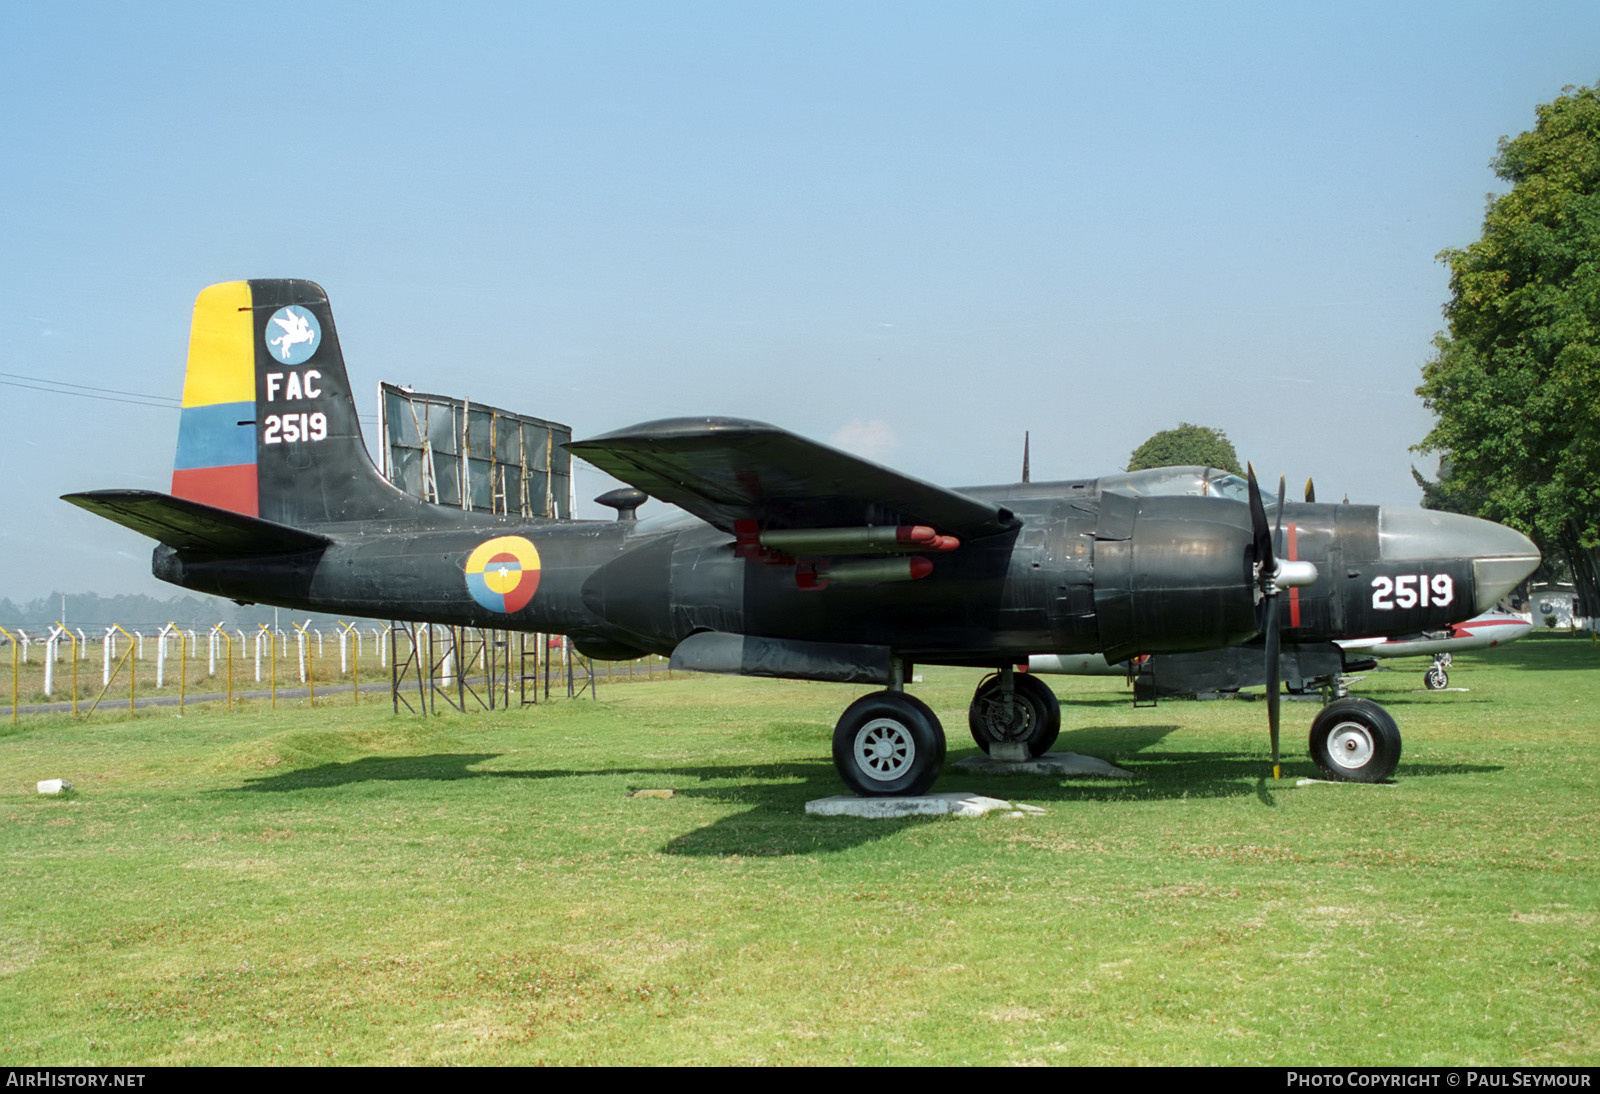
[341, 885]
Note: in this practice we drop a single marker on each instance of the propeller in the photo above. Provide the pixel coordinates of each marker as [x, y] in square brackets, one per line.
[1272, 575]
[1311, 492]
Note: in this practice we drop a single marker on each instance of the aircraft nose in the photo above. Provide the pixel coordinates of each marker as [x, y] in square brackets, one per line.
[1501, 557]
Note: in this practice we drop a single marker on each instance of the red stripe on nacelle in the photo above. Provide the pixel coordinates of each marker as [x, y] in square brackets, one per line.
[1294, 591]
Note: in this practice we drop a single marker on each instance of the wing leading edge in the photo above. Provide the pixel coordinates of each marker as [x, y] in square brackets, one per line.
[729, 470]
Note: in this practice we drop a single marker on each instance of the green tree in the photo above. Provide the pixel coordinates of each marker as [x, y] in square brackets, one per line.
[1188, 444]
[1515, 380]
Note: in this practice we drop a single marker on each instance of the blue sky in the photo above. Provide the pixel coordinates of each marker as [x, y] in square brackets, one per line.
[915, 230]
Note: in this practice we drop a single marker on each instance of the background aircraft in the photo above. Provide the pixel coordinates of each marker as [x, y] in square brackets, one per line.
[1492, 628]
[791, 559]
[1306, 667]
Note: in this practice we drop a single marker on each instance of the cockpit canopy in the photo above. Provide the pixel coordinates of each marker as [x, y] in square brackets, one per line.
[1187, 481]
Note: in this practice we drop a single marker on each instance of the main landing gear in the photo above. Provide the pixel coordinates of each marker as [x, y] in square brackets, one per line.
[889, 744]
[1021, 709]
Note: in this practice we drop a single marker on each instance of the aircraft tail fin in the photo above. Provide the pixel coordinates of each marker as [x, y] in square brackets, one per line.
[269, 426]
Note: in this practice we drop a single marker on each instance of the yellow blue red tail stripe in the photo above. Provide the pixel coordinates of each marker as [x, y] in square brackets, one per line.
[216, 458]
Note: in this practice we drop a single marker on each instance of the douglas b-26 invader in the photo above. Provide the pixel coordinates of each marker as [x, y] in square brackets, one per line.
[792, 559]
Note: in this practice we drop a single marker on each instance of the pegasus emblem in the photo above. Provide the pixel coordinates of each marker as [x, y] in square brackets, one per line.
[296, 325]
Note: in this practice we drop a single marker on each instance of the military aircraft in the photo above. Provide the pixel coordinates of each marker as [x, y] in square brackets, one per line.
[791, 559]
[1481, 632]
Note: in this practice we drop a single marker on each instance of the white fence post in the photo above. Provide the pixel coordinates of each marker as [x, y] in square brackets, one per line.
[161, 655]
[219, 635]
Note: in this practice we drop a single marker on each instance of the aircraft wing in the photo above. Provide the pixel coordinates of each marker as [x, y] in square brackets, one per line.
[725, 470]
[191, 525]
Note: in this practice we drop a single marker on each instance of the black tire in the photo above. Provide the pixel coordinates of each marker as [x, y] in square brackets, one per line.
[1045, 696]
[1036, 715]
[1436, 679]
[888, 744]
[1355, 740]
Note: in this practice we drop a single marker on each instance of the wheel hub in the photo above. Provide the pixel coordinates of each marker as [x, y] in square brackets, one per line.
[885, 749]
[1003, 724]
[1350, 745]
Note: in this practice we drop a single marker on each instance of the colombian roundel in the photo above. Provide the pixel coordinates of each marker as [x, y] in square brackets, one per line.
[503, 573]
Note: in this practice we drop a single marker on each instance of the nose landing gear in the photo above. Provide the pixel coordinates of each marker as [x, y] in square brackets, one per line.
[1355, 740]
[1436, 678]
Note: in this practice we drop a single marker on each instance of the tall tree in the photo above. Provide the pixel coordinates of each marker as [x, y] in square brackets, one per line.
[1515, 380]
[1188, 444]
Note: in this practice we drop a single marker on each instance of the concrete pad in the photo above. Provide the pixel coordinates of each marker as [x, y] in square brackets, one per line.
[952, 803]
[1051, 763]
[1336, 782]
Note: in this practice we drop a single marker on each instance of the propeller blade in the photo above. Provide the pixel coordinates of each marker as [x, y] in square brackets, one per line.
[1272, 638]
[1259, 525]
[1277, 533]
[1268, 542]
[1273, 680]
[1311, 493]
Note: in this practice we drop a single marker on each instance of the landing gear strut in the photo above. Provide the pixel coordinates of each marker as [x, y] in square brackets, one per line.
[1014, 707]
[1436, 678]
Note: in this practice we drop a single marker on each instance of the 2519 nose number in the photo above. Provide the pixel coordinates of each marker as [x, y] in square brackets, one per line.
[1412, 591]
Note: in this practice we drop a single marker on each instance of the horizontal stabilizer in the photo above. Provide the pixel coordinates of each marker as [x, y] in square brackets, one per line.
[728, 470]
[195, 526]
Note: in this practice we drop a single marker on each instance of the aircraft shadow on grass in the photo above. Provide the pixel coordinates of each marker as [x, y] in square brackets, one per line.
[776, 793]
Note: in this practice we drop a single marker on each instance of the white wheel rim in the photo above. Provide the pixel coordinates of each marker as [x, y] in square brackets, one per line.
[1350, 746]
[885, 749]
